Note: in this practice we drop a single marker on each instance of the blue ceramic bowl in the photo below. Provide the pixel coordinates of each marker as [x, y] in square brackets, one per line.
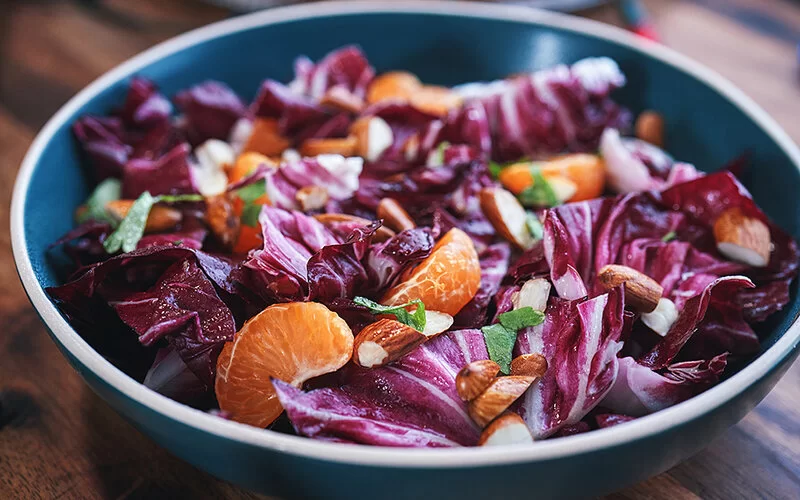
[708, 122]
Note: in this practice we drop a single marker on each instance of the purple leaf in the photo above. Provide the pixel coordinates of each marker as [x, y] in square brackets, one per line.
[336, 271]
[605, 420]
[170, 174]
[494, 265]
[386, 261]
[345, 67]
[211, 109]
[293, 112]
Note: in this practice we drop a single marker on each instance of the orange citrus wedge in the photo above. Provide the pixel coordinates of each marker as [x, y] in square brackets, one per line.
[585, 170]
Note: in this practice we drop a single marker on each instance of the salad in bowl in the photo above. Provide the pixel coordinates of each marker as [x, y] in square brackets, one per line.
[366, 258]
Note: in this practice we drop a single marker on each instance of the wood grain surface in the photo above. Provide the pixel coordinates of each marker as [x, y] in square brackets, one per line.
[59, 440]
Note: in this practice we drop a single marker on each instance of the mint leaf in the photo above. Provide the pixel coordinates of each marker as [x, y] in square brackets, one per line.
[541, 194]
[669, 237]
[523, 317]
[252, 192]
[250, 215]
[107, 191]
[415, 320]
[495, 169]
[131, 228]
[534, 226]
[178, 198]
[500, 344]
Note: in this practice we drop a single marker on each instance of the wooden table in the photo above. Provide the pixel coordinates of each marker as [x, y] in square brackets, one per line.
[58, 439]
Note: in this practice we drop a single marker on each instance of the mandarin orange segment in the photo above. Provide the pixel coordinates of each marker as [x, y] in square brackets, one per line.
[392, 85]
[293, 342]
[435, 100]
[246, 164]
[446, 280]
[266, 138]
[587, 171]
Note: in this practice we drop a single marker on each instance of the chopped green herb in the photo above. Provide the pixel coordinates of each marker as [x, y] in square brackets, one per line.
[106, 191]
[178, 198]
[250, 214]
[500, 344]
[131, 228]
[669, 237]
[523, 317]
[540, 194]
[534, 226]
[495, 169]
[252, 192]
[415, 320]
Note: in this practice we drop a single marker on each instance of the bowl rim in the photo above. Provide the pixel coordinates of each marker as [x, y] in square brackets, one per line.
[640, 428]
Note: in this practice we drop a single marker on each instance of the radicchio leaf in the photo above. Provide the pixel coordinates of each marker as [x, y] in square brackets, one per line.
[494, 265]
[170, 174]
[210, 110]
[346, 67]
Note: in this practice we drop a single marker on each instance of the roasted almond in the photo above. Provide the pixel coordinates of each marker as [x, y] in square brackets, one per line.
[161, 218]
[394, 85]
[661, 319]
[373, 136]
[496, 399]
[508, 428]
[641, 291]
[342, 99]
[436, 322]
[649, 127]
[506, 215]
[435, 100]
[742, 238]
[533, 293]
[311, 197]
[394, 216]
[266, 138]
[314, 147]
[336, 220]
[475, 378]
[222, 219]
[385, 341]
[214, 158]
[531, 365]
[563, 187]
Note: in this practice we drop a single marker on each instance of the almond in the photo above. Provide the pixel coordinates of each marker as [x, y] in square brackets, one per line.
[266, 138]
[506, 215]
[509, 428]
[161, 218]
[562, 187]
[373, 136]
[742, 238]
[333, 220]
[436, 322]
[496, 399]
[650, 128]
[661, 319]
[385, 341]
[533, 293]
[641, 291]
[311, 197]
[394, 216]
[395, 85]
[214, 157]
[222, 219]
[531, 365]
[315, 147]
[342, 99]
[435, 100]
[475, 378]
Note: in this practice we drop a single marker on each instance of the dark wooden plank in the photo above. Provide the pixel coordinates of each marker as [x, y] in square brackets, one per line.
[57, 439]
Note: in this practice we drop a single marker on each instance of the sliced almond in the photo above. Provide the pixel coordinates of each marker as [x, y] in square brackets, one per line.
[661, 319]
[214, 157]
[385, 341]
[531, 365]
[475, 378]
[395, 85]
[642, 292]
[506, 215]
[436, 322]
[743, 239]
[507, 429]
[311, 197]
[333, 220]
[342, 99]
[266, 138]
[650, 128]
[315, 147]
[394, 216]
[533, 293]
[496, 399]
[562, 187]
[161, 218]
[435, 100]
[222, 220]
[373, 136]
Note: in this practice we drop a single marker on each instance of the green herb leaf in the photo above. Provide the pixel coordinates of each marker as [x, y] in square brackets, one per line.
[252, 192]
[500, 344]
[523, 317]
[495, 169]
[415, 320]
[540, 194]
[106, 191]
[131, 229]
[436, 157]
[669, 237]
[250, 215]
[178, 198]
[534, 226]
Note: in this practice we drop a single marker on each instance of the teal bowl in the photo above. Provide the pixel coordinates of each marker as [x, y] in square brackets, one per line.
[708, 122]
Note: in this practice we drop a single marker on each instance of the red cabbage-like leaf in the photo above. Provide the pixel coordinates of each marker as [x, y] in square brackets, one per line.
[346, 67]
[84, 244]
[605, 420]
[210, 109]
[294, 112]
[102, 141]
[494, 265]
[639, 390]
[386, 261]
[144, 105]
[337, 174]
[170, 376]
[411, 403]
[170, 174]
[580, 340]
[188, 239]
[337, 271]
